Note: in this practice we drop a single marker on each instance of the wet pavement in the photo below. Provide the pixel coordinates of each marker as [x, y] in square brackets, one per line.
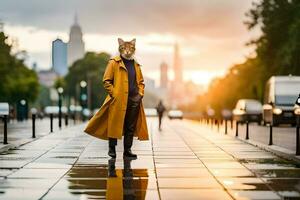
[184, 161]
[20, 133]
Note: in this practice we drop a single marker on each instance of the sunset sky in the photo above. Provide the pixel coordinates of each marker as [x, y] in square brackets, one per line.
[211, 34]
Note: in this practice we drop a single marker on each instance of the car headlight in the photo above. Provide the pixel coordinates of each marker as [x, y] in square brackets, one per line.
[277, 111]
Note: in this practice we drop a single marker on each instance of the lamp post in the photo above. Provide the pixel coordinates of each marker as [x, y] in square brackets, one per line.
[83, 96]
[60, 91]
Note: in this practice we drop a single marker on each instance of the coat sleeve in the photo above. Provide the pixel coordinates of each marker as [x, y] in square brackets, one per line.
[108, 78]
[141, 84]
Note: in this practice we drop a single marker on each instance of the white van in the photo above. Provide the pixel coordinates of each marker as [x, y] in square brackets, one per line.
[281, 93]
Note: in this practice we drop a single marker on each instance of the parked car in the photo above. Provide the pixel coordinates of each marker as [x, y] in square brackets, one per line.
[150, 112]
[175, 114]
[248, 110]
[281, 94]
[54, 110]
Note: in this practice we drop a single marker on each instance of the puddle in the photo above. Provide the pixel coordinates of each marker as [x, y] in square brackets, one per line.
[112, 181]
[275, 161]
[284, 184]
[278, 173]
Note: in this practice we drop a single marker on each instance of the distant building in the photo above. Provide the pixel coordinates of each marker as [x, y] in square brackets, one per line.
[177, 65]
[177, 90]
[34, 67]
[163, 75]
[75, 45]
[47, 77]
[59, 57]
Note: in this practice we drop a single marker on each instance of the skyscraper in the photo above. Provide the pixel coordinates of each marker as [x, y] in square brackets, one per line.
[177, 65]
[163, 75]
[76, 44]
[59, 57]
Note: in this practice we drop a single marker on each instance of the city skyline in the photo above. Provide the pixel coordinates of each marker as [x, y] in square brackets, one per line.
[212, 51]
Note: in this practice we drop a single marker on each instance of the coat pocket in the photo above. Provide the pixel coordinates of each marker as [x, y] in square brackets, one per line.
[112, 100]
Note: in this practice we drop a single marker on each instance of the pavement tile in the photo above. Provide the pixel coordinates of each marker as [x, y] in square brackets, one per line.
[12, 164]
[98, 194]
[232, 172]
[194, 194]
[188, 183]
[179, 172]
[254, 195]
[26, 183]
[38, 173]
[243, 183]
[21, 193]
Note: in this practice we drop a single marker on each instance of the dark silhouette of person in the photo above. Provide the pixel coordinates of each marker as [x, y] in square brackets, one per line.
[160, 108]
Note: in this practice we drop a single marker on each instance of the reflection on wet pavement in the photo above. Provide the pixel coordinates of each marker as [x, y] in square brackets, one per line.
[184, 161]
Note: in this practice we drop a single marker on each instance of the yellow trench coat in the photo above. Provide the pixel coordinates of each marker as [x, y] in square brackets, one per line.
[109, 120]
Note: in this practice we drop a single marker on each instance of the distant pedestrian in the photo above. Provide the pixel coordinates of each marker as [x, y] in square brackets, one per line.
[160, 108]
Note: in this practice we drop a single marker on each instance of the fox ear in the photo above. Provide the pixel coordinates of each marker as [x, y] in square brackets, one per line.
[133, 41]
[120, 41]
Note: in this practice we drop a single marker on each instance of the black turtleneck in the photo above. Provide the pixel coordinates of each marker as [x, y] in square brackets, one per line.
[132, 87]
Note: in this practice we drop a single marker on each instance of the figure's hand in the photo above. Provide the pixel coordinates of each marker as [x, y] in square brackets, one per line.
[137, 98]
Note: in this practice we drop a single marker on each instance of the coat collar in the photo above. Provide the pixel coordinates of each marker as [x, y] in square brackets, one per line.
[121, 63]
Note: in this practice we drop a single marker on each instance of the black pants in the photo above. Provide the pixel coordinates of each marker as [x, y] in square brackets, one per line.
[130, 121]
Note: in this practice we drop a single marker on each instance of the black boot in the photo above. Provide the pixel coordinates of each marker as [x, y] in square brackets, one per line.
[112, 152]
[112, 168]
[128, 154]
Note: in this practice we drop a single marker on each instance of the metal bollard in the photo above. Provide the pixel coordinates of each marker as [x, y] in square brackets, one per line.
[218, 125]
[231, 124]
[225, 126]
[33, 125]
[237, 129]
[271, 135]
[51, 123]
[74, 118]
[5, 129]
[66, 120]
[247, 130]
[298, 136]
[297, 141]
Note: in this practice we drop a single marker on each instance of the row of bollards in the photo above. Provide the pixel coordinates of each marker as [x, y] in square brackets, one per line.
[33, 117]
[212, 122]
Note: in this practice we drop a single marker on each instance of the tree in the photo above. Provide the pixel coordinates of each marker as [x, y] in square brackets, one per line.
[277, 53]
[90, 69]
[278, 47]
[17, 82]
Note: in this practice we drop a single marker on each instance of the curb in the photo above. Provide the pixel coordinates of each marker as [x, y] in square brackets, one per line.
[9, 146]
[276, 150]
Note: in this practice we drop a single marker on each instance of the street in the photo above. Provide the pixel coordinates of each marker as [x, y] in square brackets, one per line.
[186, 160]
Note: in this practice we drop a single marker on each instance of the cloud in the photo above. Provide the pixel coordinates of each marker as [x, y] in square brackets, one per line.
[211, 33]
[212, 18]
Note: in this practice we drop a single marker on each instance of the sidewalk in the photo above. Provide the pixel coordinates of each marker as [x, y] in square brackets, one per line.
[20, 133]
[284, 138]
[184, 161]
